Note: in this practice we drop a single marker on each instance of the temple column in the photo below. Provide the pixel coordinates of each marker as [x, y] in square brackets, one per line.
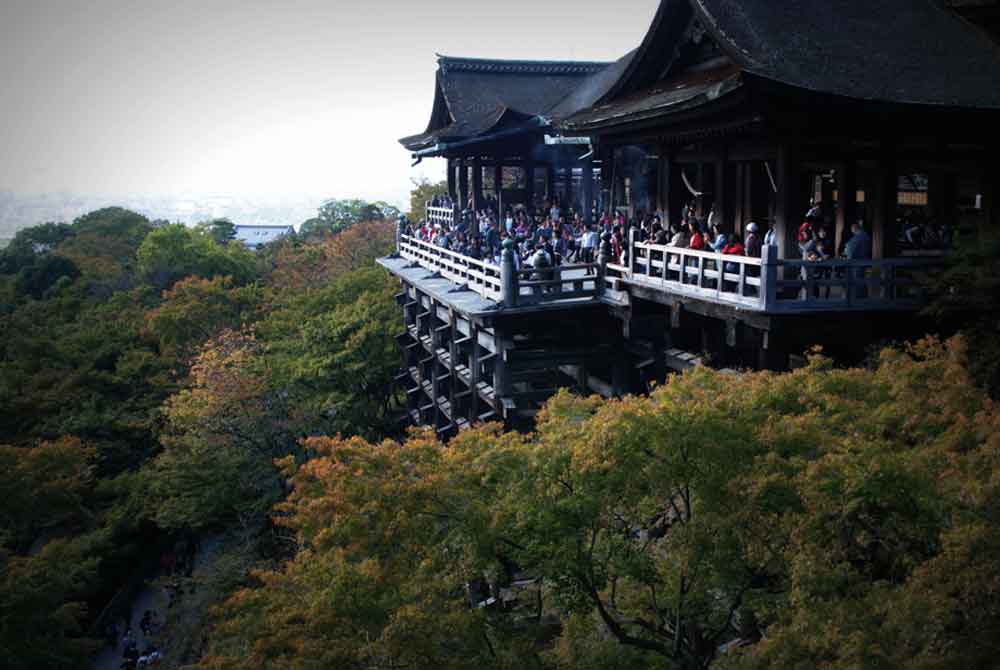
[675, 191]
[463, 184]
[550, 183]
[788, 206]
[740, 218]
[477, 184]
[587, 185]
[529, 186]
[607, 184]
[884, 211]
[847, 186]
[722, 203]
[498, 188]
[451, 179]
[702, 187]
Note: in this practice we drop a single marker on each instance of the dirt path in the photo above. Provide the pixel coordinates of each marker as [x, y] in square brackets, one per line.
[151, 597]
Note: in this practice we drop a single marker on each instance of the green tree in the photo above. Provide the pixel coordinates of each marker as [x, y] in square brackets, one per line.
[196, 310]
[176, 251]
[45, 573]
[38, 277]
[335, 215]
[28, 243]
[966, 297]
[222, 231]
[821, 518]
[223, 431]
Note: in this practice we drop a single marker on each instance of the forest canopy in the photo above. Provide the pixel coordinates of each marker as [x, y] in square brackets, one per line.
[160, 384]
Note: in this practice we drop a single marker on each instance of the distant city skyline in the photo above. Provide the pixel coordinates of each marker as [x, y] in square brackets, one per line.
[254, 100]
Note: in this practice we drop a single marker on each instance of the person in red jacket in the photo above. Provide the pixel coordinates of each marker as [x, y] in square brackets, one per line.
[697, 240]
[734, 246]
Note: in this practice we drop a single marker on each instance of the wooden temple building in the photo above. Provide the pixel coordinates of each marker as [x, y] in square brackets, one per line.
[881, 113]
[493, 121]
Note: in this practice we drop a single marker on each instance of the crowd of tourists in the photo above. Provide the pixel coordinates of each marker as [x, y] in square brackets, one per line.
[553, 237]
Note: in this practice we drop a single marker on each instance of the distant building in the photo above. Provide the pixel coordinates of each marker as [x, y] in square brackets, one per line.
[255, 236]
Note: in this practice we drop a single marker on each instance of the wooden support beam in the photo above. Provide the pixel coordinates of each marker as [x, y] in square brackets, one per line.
[701, 186]
[529, 186]
[884, 204]
[722, 198]
[463, 183]
[676, 192]
[595, 384]
[607, 180]
[453, 358]
[740, 217]
[587, 186]
[501, 376]
[498, 188]
[477, 184]
[474, 371]
[788, 207]
[452, 167]
[847, 187]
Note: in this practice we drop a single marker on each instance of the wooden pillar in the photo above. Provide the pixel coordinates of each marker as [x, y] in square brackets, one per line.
[435, 363]
[550, 183]
[661, 181]
[474, 372]
[700, 185]
[740, 218]
[451, 179]
[620, 371]
[463, 184]
[607, 184]
[498, 189]
[477, 184]
[847, 187]
[501, 375]
[675, 191]
[529, 186]
[788, 206]
[453, 381]
[941, 191]
[722, 199]
[884, 212]
[587, 185]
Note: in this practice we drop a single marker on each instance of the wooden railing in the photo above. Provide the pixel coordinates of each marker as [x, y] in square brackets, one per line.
[565, 282]
[702, 274]
[837, 285]
[447, 217]
[767, 284]
[505, 283]
[480, 276]
[773, 285]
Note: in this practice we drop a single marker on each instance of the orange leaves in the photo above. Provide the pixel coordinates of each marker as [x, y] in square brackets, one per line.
[314, 264]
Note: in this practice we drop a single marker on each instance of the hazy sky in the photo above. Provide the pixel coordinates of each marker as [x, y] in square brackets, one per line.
[255, 97]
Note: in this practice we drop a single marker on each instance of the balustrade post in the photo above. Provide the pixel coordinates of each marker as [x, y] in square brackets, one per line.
[603, 258]
[633, 233]
[768, 276]
[509, 285]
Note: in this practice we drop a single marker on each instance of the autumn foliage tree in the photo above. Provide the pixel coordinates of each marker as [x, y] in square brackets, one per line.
[822, 518]
[299, 267]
